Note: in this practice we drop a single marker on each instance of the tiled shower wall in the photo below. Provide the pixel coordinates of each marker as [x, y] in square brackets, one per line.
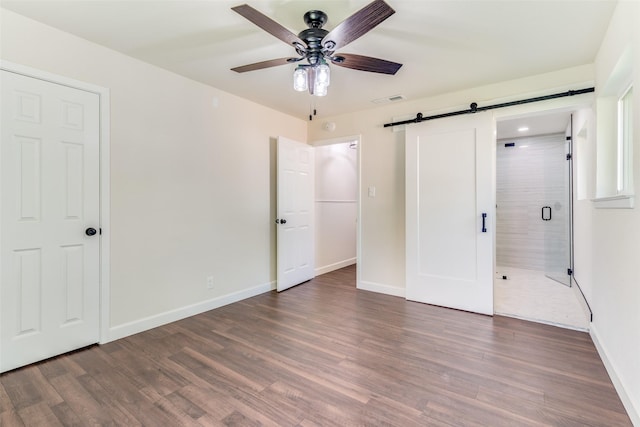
[530, 175]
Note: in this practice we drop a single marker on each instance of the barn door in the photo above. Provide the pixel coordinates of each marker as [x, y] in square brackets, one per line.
[450, 207]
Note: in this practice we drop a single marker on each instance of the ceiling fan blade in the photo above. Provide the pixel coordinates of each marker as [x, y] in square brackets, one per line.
[264, 64]
[366, 63]
[358, 24]
[268, 24]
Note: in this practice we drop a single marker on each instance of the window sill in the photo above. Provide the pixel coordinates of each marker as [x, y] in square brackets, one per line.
[621, 201]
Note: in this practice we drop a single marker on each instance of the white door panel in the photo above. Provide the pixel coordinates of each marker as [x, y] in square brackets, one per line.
[49, 164]
[295, 237]
[449, 186]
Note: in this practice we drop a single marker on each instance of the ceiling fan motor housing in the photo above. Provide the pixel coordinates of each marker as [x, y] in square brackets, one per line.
[312, 36]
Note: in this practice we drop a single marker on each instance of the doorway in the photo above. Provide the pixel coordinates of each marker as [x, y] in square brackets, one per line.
[533, 221]
[336, 203]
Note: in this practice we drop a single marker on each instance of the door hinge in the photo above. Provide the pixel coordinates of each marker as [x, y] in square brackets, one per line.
[568, 138]
[569, 272]
[569, 156]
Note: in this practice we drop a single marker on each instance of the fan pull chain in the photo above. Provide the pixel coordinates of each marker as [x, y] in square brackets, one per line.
[312, 109]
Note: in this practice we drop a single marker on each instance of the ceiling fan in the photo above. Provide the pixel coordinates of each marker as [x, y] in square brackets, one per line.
[318, 46]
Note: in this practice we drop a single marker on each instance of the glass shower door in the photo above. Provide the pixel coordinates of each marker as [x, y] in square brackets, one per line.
[556, 213]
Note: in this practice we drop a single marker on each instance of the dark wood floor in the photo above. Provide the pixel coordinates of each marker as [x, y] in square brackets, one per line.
[323, 354]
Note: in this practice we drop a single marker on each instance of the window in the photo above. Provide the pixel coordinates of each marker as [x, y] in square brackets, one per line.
[614, 145]
[624, 138]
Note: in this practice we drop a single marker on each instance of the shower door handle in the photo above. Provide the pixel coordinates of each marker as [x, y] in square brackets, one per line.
[484, 226]
[546, 213]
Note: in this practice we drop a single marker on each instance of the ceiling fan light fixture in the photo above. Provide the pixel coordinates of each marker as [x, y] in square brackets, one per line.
[318, 46]
[300, 79]
[315, 78]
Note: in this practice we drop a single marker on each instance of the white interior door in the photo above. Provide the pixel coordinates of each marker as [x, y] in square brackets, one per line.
[449, 186]
[295, 235]
[49, 164]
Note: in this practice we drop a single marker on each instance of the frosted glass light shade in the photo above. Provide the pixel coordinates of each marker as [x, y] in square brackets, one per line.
[323, 75]
[300, 79]
[320, 89]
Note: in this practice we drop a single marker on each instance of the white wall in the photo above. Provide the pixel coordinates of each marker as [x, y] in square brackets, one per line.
[336, 206]
[615, 240]
[192, 182]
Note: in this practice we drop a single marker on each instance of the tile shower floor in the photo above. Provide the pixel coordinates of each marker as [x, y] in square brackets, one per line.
[530, 295]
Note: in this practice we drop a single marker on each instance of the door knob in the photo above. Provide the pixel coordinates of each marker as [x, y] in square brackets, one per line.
[90, 231]
[281, 221]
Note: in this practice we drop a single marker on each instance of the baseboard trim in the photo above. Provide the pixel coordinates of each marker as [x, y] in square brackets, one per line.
[335, 266]
[381, 289]
[137, 326]
[632, 411]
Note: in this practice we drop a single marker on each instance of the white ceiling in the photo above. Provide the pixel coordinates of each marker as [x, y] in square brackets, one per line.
[444, 45]
[536, 124]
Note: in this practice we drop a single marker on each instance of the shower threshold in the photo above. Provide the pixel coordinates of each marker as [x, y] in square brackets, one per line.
[531, 295]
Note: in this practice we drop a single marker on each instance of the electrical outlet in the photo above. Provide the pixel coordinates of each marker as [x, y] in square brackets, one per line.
[210, 282]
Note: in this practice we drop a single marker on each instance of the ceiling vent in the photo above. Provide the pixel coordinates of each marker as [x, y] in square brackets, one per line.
[388, 99]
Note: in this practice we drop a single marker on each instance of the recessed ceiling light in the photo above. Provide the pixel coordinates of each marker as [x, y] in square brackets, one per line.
[523, 129]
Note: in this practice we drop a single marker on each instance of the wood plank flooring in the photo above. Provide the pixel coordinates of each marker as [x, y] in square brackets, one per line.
[323, 354]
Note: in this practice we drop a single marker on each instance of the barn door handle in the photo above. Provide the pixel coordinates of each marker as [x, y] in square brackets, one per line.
[546, 210]
[484, 226]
